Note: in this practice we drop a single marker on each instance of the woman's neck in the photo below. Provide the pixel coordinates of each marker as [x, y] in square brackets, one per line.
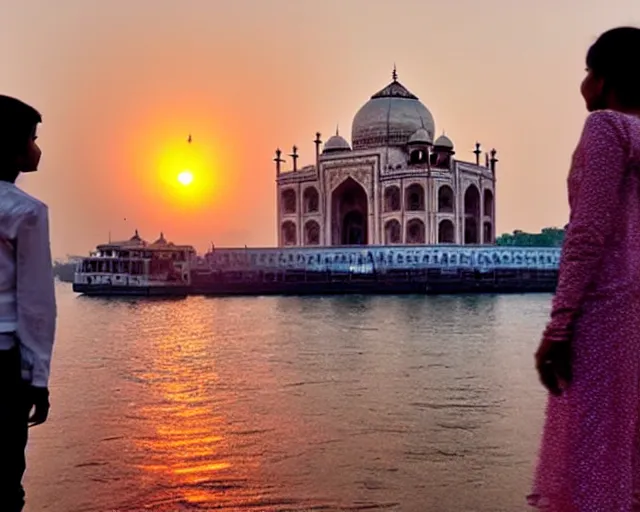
[615, 105]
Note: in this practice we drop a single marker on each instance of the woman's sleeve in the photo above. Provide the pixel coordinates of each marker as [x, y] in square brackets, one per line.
[603, 148]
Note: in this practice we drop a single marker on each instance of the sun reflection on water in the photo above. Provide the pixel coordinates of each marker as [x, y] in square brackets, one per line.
[184, 450]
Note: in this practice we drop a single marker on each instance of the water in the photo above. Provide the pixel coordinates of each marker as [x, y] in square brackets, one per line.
[281, 404]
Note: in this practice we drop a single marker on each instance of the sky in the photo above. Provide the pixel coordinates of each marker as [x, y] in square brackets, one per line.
[121, 84]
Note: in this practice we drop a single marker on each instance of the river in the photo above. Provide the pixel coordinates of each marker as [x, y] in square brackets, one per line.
[409, 404]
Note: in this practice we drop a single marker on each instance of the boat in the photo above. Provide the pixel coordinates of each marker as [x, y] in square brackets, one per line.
[136, 267]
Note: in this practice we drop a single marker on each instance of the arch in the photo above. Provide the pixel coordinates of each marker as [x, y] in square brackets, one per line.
[414, 198]
[392, 232]
[487, 235]
[392, 199]
[446, 232]
[472, 215]
[289, 236]
[312, 233]
[311, 200]
[349, 214]
[446, 199]
[440, 159]
[416, 232]
[288, 198]
[488, 203]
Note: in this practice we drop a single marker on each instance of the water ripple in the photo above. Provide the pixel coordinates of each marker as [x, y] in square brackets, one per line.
[290, 404]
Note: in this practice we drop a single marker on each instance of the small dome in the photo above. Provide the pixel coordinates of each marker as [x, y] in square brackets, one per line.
[336, 143]
[421, 136]
[160, 241]
[443, 142]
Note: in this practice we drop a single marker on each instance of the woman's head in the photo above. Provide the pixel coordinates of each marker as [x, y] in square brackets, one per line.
[613, 71]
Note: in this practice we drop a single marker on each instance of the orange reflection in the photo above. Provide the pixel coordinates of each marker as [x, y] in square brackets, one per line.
[185, 447]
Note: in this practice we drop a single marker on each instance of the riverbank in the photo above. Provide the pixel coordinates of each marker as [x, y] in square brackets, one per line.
[352, 270]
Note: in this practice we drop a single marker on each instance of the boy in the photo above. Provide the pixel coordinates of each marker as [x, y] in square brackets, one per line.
[27, 300]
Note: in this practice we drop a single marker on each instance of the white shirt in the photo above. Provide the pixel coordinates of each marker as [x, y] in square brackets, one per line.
[27, 293]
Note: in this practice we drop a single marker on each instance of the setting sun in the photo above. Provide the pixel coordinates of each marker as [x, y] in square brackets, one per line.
[185, 178]
[178, 176]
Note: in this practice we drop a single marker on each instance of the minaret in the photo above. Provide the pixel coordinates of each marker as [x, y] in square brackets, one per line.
[294, 156]
[279, 161]
[318, 142]
[477, 152]
[493, 160]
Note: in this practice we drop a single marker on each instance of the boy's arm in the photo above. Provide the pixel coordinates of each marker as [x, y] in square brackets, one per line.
[36, 302]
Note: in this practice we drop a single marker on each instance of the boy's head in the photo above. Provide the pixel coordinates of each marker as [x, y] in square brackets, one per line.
[18, 149]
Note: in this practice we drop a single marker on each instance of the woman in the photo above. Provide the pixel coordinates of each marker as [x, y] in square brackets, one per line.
[589, 357]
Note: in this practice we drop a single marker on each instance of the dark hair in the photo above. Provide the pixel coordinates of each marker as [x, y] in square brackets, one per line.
[614, 58]
[17, 125]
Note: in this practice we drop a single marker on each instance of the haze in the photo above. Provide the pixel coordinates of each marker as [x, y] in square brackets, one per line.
[120, 83]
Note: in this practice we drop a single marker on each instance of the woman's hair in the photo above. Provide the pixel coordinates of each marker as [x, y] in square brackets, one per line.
[615, 58]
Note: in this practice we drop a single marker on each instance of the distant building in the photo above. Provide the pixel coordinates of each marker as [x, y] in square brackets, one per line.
[394, 184]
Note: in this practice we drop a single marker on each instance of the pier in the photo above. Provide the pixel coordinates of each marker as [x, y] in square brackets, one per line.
[377, 270]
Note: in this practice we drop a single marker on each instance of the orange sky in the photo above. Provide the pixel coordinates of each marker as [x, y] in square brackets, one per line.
[121, 84]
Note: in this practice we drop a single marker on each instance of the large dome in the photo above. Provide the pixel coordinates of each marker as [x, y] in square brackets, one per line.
[390, 118]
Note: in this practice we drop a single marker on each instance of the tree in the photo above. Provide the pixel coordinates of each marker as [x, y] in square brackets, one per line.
[548, 237]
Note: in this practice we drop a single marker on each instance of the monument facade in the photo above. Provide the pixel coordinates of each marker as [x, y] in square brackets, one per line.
[394, 184]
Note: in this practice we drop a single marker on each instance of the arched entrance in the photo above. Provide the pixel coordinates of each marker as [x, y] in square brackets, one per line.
[392, 199]
[312, 233]
[416, 233]
[392, 232]
[445, 199]
[446, 232]
[488, 234]
[472, 220]
[353, 229]
[349, 214]
[289, 236]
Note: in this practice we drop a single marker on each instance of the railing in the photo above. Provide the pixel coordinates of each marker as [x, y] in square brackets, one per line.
[385, 258]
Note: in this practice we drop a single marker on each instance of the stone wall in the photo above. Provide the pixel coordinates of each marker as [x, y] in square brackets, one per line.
[383, 258]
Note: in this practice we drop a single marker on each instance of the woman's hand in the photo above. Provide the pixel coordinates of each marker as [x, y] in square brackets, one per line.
[553, 362]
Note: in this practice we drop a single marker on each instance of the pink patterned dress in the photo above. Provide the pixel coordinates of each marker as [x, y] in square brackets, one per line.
[589, 458]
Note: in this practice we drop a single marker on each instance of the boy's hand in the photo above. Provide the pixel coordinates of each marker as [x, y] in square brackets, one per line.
[39, 402]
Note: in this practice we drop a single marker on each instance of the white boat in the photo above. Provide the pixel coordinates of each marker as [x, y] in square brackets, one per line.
[136, 267]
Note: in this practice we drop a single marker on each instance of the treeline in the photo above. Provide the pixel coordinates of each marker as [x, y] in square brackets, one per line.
[64, 270]
[548, 237]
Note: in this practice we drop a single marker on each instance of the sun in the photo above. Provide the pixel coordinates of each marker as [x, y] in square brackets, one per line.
[185, 178]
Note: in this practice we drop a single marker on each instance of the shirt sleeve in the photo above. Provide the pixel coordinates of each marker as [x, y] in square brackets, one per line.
[603, 148]
[36, 302]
